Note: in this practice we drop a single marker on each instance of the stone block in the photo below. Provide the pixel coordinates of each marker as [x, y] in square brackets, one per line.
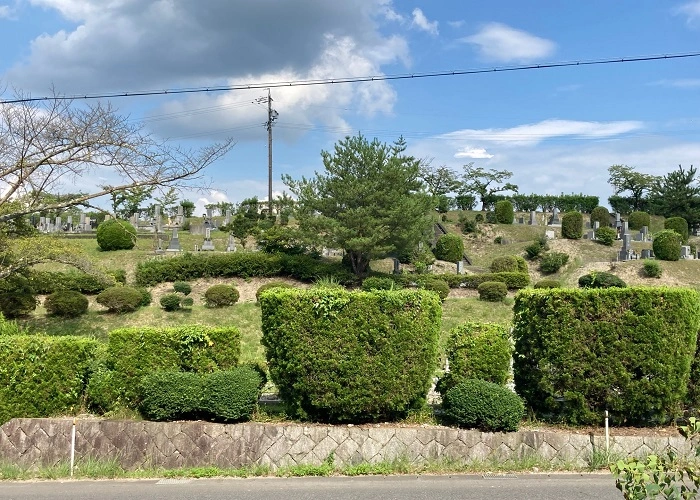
[381, 435]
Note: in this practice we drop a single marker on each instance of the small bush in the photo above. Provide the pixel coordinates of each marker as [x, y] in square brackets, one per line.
[508, 264]
[667, 245]
[115, 234]
[637, 220]
[270, 286]
[602, 216]
[606, 236]
[66, 304]
[9, 327]
[679, 225]
[534, 250]
[187, 302]
[182, 287]
[170, 395]
[479, 218]
[484, 405]
[600, 279]
[121, 299]
[17, 304]
[379, 283]
[553, 261]
[449, 247]
[468, 225]
[221, 296]
[170, 301]
[438, 286]
[47, 282]
[548, 284]
[504, 212]
[652, 268]
[492, 291]
[231, 396]
[146, 297]
[572, 225]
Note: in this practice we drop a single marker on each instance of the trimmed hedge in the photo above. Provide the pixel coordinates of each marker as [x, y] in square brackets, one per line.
[48, 282]
[116, 234]
[231, 396]
[171, 302]
[667, 245]
[340, 356]
[43, 376]
[504, 212]
[601, 215]
[551, 262]
[483, 405]
[492, 291]
[449, 247]
[508, 264]
[477, 351]
[239, 265]
[221, 296]
[601, 279]
[637, 220]
[679, 225]
[606, 236]
[572, 225]
[135, 352]
[170, 395]
[182, 287]
[436, 285]
[276, 284]
[513, 281]
[548, 283]
[66, 304]
[122, 299]
[626, 350]
[378, 283]
[652, 268]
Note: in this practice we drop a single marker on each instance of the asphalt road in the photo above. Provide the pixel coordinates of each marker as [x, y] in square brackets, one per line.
[537, 487]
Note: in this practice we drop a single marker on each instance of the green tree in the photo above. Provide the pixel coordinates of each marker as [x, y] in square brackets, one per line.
[369, 201]
[625, 179]
[677, 194]
[127, 201]
[485, 183]
[187, 208]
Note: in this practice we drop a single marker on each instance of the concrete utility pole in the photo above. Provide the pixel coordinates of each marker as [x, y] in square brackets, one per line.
[271, 117]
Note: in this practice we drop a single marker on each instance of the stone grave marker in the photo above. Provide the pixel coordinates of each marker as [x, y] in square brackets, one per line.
[460, 267]
[549, 234]
[591, 235]
[647, 253]
[397, 266]
[82, 224]
[227, 219]
[645, 233]
[42, 224]
[625, 228]
[59, 224]
[174, 245]
[180, 215]
[626, 253]
[685, 252]
[208, 245]
[596, 225]
[231, 247]
[533, 218]
[69, 222]
[521, 220]
[555, 217]
[618, 221]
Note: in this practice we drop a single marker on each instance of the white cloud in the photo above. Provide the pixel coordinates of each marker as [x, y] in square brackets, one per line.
[5, 12]
[387, 10]
[499, 42]
[476, 153]
[681, 83]
[689, 9]
[421, 22]
[456, 24]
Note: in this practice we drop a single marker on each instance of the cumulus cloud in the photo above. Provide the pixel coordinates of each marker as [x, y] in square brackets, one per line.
[421, 22]
[690, 9]
[5, 11]
[681, 83]
[476, 153]
[499, 42]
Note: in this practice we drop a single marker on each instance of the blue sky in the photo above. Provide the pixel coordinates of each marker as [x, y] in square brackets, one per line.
[557, 130]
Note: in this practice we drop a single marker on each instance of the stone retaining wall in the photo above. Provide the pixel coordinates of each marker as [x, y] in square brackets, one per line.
[33, 442]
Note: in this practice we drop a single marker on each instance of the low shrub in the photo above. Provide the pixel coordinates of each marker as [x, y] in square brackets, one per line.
[504, 212]
[182, 287]
[483, 405]
[679, 225]
[66, 304]
[534, 250]
[468, 225]
[171, 301]
[231, 396]
[449, 247]
[600, 279]
[606, 236]
[122, 299]
[600, 215]
[477, 351]
[270, 286]
[9, 327]
[146, 297]
[436, 285]
[221, 296]
[667, 245]
[551, 262]
[572, 225]
[47, 282]
[187, 302]
[378, 283]
[17, 298]
[115, 234]
[508, 264]
[547, 283]
[492, 291]
[651, 268]
[170, 395]
[637, 220]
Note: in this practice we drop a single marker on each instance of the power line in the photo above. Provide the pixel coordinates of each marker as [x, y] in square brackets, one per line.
[359, 79]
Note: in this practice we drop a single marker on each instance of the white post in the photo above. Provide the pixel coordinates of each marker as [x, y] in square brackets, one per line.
[607, 434]
[72, 448]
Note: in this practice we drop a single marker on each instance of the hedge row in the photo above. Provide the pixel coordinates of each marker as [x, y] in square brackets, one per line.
[626, 350]
[48, 282]
[241, 264]
[135, 352]
[339, 356]
[42, 376]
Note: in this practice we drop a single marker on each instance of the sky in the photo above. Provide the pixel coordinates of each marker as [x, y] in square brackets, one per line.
[558, 130]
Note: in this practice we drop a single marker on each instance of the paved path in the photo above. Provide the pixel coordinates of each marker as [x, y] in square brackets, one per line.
[531, 487]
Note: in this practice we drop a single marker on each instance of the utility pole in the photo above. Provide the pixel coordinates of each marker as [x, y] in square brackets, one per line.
[271, 117]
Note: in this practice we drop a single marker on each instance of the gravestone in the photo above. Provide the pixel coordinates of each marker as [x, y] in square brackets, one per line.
[591, 235]
[521, 220]
[159, 245]
[645, 233]
[460, 267]
[231, 247]
[208, 245]
[180, 215]
[69, 223]
[618, 221]
[588, 224]
[625, 228]
[82, 224]
[555, 217]
[596, 225]
[59, 224]
[108, 217]
[685, 252]
[626, 253]
[159, 219]
[135, 220]
[647, 253]
[549, 235]
[42, 224]
[174, 245]
[639, 236]
[533, 218]
[227, 220]
[397, 266]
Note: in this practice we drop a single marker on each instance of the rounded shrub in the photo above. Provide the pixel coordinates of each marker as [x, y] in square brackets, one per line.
[146, 297]
[121, 299]
[102, 390]
[182, 287]
[270, 286]
[231, 396]
[439, 286]
[66, 304]
[379, 283]
[492, 291]
[17, 304]
[170, 395]
[547, 284]
[187, 302]
[679, 225]
[450, 248]
[637, 220]
[572, 225]
[601, 279]
[667, 245]
[508, 264]
[221, 296]
[600, 215]
[504, 212]
[116, 234]
[553, 261]
[606, 236]
[651, 268]
[170, 301]
[534, 250]
[483, 405]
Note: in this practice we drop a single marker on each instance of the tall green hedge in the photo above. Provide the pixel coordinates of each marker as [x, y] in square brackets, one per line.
[572, 225]
[134, 352]
[504, 212]
[449, 247]
[339, 356]
[513, 281]
[601, 215]
[42, 376]
[637, 220]
[667, 245]
[477, 351]
[581, 352]
[679, 225]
